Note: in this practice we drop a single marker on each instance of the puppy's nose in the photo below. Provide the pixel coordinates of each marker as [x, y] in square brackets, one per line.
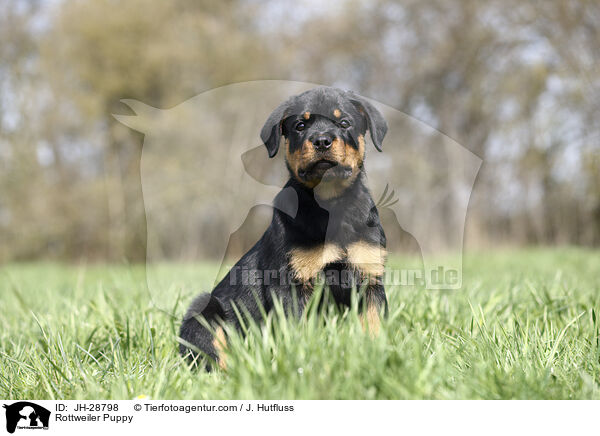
[323, 141]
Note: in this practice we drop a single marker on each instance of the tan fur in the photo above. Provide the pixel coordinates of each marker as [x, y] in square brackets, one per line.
[370, 320]
[306, 115]
[300, 158]
[368, 258]
[354, 157]
[337, 113]
[331, 189]
[220, 344]
[346, 155]
[307, 262]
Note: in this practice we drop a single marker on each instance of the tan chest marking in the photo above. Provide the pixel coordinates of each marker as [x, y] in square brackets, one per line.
[368, 258]
[307, 262]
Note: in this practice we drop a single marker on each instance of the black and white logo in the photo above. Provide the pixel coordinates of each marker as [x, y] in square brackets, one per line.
[26, 415]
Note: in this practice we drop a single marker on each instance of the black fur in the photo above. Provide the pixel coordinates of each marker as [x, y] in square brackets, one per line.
[346, 218]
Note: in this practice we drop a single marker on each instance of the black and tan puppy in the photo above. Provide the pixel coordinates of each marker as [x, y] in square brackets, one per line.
[335, 231]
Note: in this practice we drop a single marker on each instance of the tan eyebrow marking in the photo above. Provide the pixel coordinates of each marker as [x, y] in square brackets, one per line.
[337, 113]
[306, 115]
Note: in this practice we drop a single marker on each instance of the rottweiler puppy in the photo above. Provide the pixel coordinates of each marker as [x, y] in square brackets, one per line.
[335, 233]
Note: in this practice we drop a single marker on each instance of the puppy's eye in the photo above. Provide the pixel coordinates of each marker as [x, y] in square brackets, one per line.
[300, 126]
[345, 124]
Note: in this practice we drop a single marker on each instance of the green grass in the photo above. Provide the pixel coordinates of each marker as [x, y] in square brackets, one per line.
[524, 326]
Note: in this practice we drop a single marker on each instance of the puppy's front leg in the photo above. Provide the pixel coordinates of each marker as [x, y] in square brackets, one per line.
[196, 336]
[372, 303]
[369, 259]
[307, 263]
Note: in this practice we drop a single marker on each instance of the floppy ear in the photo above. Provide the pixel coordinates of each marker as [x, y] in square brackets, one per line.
[271, 131]
[375, 121]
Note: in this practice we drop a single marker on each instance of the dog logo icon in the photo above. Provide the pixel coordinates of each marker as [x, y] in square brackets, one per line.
[26, 415]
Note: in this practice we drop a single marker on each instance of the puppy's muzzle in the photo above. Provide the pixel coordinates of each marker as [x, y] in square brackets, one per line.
[325, 169]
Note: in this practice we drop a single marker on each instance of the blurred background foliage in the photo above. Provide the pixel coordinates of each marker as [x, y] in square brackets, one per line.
[517, 83]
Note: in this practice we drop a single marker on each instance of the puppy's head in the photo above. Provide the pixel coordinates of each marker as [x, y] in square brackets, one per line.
[324, 131]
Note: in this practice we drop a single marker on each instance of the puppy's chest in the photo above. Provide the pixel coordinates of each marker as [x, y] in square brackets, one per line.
[306, 263]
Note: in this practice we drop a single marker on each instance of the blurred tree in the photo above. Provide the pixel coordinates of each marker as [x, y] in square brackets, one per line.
[100, 52]
[517, 83]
